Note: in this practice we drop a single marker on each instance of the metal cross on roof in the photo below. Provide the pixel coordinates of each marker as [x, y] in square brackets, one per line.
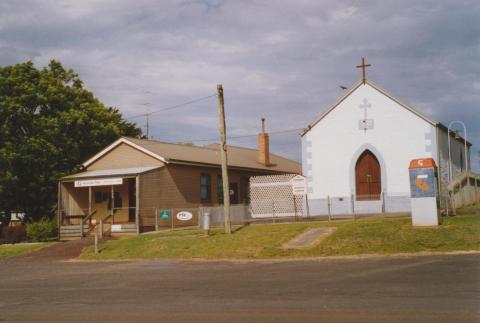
[362, 66]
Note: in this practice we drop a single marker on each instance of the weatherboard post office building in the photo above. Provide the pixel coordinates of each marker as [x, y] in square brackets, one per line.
[140, 176]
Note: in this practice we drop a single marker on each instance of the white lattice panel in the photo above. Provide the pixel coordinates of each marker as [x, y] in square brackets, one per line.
[272, 196]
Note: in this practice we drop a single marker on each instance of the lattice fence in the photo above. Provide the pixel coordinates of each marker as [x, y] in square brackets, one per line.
[272, 196]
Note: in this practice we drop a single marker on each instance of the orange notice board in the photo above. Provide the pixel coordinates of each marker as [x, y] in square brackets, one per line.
[422, 163]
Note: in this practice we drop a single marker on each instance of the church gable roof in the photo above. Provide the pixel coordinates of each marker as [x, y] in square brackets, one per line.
[352, 90]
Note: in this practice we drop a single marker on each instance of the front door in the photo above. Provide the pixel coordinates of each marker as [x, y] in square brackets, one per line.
[132, 200]
[367, 177]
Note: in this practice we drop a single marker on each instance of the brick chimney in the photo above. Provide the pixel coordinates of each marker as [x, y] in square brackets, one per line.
[263, 146]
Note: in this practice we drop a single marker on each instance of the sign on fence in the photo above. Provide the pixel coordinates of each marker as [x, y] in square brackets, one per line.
[299, 185]
[184, 216]
[165, 214]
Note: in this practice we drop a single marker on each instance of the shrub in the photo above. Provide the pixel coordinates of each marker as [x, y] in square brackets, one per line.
[43, 230]
[13, 234]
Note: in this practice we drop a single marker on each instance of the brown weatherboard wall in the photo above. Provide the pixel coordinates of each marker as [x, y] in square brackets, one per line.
[178, 186]
[124, 156]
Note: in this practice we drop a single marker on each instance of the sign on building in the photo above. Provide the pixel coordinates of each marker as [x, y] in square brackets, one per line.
[99, 182]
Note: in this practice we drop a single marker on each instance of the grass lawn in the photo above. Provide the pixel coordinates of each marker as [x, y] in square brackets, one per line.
[385, 236]
[11, 250]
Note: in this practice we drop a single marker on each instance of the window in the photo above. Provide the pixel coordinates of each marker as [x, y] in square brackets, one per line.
[244, 189]
[219, 189]
[117, 201]
[205, 188]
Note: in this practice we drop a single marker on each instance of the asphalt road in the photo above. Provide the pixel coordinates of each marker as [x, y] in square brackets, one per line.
[408, 289]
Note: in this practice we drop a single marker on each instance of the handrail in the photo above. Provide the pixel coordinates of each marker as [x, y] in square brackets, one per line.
[88, 217]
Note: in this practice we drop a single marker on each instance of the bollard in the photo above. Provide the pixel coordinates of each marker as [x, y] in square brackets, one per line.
[206, 223]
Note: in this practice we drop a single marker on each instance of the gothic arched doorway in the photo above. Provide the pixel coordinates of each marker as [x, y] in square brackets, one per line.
[368, 182]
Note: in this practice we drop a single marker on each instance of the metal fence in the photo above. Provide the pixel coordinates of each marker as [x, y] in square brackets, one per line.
[361, 205]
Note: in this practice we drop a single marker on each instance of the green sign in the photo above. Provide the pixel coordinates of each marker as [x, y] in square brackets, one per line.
[165, 214]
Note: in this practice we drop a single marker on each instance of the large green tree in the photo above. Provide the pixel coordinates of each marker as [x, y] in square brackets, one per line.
[49, 125]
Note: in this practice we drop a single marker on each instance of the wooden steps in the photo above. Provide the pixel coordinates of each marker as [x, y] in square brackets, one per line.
[72, 232]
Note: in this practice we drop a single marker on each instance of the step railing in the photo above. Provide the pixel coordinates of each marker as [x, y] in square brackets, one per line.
[84, 220]
[464, 190]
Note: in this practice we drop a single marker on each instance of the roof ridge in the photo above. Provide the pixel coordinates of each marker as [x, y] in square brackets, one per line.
[168, 143]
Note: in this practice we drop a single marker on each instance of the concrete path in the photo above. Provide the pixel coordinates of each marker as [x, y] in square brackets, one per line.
[417, 289]
[309, 238]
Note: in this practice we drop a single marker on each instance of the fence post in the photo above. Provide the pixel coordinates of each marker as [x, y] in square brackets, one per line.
[353, 206]
[383, 203]
[306, 204]
[156, 219]
[328, 207]
[273, 211]
[476, 190]
[96, 239]
[295, 208]
[171, 215]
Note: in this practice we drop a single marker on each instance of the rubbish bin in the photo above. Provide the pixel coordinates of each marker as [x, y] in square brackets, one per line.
[206, 222]
[423, 192]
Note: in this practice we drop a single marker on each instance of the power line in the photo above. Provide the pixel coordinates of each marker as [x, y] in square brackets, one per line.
[229, 138]
[170, 107]
[248, 136]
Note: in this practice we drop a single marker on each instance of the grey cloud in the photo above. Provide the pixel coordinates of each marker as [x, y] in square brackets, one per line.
[282, 60]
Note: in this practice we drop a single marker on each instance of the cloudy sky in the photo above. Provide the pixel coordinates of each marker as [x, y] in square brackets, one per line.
[282, 60]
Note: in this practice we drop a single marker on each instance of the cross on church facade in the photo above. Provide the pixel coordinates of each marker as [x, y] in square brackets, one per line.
[365, 106]
[362, 66]
[366, 123]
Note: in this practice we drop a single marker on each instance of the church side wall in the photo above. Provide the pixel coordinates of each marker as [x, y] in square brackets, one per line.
[458, 160]
[332, 147]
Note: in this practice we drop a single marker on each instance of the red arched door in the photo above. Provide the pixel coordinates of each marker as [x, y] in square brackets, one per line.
[367, 177]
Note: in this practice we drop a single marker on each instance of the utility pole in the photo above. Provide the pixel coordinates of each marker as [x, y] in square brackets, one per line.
[223, 155]
[147, 115]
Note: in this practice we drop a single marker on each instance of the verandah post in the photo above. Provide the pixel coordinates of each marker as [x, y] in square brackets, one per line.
[137, 203]
[59, 207]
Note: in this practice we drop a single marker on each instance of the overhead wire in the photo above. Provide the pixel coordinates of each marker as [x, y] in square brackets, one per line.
[170, 107]
[216, 139]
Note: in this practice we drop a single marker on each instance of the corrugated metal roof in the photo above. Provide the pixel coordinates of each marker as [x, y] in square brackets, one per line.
[111, 172]
[237, 156]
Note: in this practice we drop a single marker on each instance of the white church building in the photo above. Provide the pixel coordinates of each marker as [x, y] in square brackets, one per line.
[356, 154]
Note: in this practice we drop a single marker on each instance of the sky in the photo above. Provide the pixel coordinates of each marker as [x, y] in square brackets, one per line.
[281, 60]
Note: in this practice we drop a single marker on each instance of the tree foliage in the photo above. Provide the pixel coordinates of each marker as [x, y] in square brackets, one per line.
[49, 125]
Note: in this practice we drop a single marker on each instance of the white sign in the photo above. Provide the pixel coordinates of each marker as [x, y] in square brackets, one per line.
[99, 182]
[365, 124]
[299, 185]
[184, 216]
[116, 228]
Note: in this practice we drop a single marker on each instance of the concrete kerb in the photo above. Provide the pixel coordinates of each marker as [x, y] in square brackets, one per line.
[283, 260]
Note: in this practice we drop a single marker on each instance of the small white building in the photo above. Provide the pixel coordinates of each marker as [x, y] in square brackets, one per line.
[358, 150]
